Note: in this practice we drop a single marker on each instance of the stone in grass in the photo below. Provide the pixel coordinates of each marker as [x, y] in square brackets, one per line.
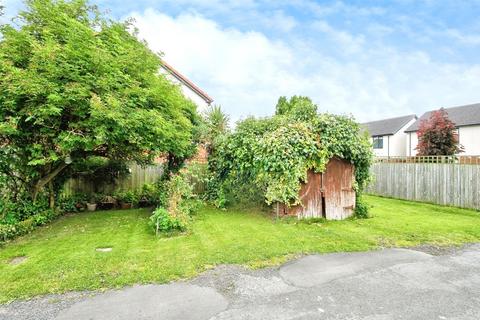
[17, 260]
[106, 249]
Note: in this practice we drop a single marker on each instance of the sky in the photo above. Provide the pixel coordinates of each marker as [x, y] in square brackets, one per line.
[370, 59]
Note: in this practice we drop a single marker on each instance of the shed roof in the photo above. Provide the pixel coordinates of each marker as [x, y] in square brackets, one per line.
[462, 116]
[387, 126]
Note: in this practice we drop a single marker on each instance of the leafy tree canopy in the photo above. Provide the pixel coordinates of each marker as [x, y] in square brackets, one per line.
[274, 154]
[74, 84]
[298, 107]
[437, 136]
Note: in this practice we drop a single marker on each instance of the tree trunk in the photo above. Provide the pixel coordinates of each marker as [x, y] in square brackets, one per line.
[51, 197]
[46, 179]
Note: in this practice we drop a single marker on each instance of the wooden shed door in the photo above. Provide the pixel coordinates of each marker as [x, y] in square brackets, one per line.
[311, 197]
[338, 189]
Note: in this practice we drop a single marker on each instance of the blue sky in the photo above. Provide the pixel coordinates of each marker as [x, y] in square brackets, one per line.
[372, 59]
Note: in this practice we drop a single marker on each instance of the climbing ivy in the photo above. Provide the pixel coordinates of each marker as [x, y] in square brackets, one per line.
[272, 155]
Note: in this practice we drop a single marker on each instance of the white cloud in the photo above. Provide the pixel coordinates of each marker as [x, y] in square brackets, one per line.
[334, 7]
[277, 20]
[468, 39]
[347, 41]
[246, 72]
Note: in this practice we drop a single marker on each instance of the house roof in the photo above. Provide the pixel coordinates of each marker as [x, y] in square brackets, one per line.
[462, 116]
[387, 127]
[180, 77]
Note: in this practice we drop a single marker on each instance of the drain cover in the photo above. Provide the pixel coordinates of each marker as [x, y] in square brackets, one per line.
[17, 260]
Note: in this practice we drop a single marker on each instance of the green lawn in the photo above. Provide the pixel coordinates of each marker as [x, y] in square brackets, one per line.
[62, 256]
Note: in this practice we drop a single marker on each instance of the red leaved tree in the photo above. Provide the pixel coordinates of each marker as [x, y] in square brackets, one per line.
[437, 136]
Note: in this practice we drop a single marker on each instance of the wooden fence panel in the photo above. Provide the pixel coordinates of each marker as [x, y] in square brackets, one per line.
[134, 181]
[455, 184]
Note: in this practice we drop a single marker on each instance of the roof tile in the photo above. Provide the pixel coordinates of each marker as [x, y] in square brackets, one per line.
[462, 116]
[387, 126]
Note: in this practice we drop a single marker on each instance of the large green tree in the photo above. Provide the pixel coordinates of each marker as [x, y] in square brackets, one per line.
[74, 84]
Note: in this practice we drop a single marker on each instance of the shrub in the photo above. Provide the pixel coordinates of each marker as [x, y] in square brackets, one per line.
[72, 203]
[130, 197]
[149, 195]
[361, 208]
[9, 231]
[162, 221]
[177, 200]
[8, 212]
[14, 212]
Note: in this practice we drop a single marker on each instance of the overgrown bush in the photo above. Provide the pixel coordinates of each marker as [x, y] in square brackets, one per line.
[129, 196]
[149, 195]
[176, 206]
[162, 221]
[198, 175]
[9, 231]
[73, 203]
[13, 212]
[270, 157]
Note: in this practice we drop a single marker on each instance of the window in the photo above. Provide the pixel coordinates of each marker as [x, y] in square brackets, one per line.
[377, 142]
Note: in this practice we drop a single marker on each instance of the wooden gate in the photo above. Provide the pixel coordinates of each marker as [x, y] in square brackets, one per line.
[329, 195]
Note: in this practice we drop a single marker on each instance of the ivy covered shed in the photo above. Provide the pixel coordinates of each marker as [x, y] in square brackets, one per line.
[298, 161]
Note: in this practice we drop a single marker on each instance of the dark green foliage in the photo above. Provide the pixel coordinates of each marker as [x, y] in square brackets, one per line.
[72, 203]
[130, 197]
[14, 212]
[10, 231]
[149, 195]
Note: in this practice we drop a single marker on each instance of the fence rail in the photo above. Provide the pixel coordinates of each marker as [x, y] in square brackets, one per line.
[430, 159]
[451, 181]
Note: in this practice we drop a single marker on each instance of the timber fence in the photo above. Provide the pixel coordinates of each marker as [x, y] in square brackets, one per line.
[137, 177]
[445, 180]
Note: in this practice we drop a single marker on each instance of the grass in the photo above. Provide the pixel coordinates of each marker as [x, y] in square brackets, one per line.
[62, 256]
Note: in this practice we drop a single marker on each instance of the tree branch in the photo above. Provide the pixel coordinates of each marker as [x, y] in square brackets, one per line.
[46, 179]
